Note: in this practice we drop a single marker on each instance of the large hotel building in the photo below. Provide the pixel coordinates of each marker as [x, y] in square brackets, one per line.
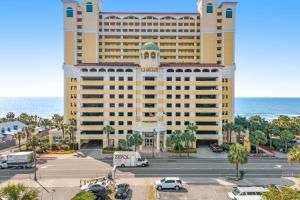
[151, 73]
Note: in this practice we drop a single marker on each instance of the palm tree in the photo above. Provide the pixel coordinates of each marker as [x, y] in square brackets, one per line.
[19, 192]
[71, 129]
[175, 139]
[294, 154]
[237, 155]
[258, 138]
[238, 129]
[46, 123]
[108, 130]
[188, 138]
[62, 126]
[135, 140]
[272, 130]
[18, 136]
[285, 137]
[27, 131]
[10, 116]
[193, 128]
[228, 127]
[57, 119]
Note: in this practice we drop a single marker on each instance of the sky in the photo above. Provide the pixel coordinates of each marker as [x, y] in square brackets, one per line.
[267, 45]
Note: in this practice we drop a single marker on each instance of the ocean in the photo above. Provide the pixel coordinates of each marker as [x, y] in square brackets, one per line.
[269, 108]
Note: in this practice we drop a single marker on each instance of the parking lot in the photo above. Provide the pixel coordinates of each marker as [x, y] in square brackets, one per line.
[196, 192]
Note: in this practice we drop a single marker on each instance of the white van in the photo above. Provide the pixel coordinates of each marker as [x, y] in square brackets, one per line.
[129, 159]
[247, 193]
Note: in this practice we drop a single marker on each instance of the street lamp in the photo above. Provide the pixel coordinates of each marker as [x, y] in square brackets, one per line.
[153, 143]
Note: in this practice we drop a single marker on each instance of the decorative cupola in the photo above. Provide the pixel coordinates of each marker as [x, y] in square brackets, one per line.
[149, 55]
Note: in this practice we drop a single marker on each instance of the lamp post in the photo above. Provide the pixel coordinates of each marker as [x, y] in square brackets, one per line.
[153, 143]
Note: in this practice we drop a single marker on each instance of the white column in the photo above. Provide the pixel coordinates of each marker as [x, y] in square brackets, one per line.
[165, 141]
[158, 141]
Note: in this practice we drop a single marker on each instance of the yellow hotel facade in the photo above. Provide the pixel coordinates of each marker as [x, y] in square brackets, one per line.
[151, 73]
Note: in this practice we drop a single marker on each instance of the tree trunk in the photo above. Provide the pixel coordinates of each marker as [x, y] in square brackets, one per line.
[179, 151]
[256, 147]
[63, 133]
[19, 139]
[135, 148]
[270, 140]
[286, 144]
[230, 136]
[107, 137]
[188, 147]
[237, 170]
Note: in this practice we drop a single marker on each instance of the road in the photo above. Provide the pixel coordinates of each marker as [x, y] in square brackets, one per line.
[210, 168]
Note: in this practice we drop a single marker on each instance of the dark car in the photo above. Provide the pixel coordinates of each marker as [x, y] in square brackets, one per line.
[216, 148]
[98, 190]
[122, 191]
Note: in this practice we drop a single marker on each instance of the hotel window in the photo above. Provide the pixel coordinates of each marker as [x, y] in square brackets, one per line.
[149, 96]
[186, 105]
[178, 78]
[229, 13]
[187, 114]
[111, 114]
[169, 87]
[130, 96]
[121, 114]
[186, 123]
[121, 96]
[187, 87]
[112, 123]
[130, 105]
[129, 123]
[178, 123]
[112, 105]
[121, 78]
[121, 105]
[121, 123]
[169, 114]
[69, 12]
[178, 114]
[130, 78]
[178, 96]
[187, 96]
[186, 78]
[112, 78]
[169, 78]
[169, 123]
[209, 8]
[112, 87]
[178, 105]
[89, 7]
[121, 87]
[169, 105]
[130, 87]
[169, 96]
[111, 96]
[178, 87]
[130, 114]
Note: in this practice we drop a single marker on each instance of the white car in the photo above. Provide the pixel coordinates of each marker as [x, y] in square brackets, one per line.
[247, 193]
[169, 183]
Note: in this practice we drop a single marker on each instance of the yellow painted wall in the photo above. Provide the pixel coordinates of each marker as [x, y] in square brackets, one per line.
[70, 48]
[209, 48]
[90, 52]
[228, 48]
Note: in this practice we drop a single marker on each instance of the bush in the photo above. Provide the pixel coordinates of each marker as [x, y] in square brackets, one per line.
[109, 150]
[39, 150]
[84, 196]
[55, 146]
[242, 174]
[225, 147]
[65, 147]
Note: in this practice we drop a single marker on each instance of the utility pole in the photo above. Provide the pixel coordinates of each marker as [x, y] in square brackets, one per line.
[34, 154]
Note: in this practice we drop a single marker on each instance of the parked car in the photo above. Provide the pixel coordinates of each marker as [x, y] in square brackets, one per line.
[168, 183]
[247, 193]
[216, 148]
[97, 188]
[122, 191]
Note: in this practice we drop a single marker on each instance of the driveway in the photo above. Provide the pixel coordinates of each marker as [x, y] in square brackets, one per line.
[197, 192]
[206, 152]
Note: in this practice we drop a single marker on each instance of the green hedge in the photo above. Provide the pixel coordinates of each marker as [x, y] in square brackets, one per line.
[190, 150]
[84, 196]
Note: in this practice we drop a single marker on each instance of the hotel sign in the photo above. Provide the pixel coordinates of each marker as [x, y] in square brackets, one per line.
[149, 69]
